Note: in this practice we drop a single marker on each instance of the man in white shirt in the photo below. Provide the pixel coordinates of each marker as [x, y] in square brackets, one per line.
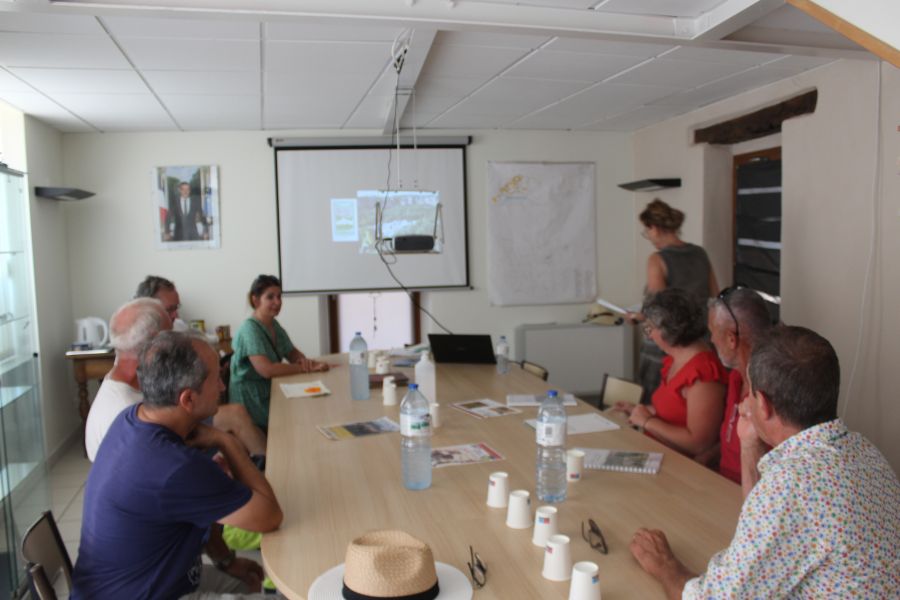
[130, 328]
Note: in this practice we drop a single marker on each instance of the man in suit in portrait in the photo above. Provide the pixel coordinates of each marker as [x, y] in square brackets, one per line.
[185, 221]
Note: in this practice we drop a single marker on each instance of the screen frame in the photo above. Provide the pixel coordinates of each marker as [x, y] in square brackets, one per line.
[376, 146]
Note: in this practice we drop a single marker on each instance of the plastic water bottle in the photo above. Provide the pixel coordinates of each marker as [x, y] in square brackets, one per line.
[415, 445]
[426, 378]
[359, 369]
[502, 356]
[551, 449]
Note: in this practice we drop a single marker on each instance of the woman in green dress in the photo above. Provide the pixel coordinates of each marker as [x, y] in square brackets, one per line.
[261, 347]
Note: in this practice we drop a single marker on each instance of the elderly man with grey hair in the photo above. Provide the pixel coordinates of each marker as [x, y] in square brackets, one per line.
[130, 328]
[151, 497]
[737, 319]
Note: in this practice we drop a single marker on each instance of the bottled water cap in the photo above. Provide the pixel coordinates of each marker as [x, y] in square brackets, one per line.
[552, 394]
[413, 386]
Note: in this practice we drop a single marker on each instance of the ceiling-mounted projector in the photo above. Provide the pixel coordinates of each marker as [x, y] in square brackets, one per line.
[404, 232]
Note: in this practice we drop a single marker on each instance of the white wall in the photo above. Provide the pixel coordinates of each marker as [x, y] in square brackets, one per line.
[828, 178]
[111, 235]
[51, 284]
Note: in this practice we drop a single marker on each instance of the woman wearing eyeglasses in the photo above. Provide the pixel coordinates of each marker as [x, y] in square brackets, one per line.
[675, 264]
[689, 403]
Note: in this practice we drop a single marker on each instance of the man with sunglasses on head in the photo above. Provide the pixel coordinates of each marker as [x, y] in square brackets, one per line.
[823, 521]
[737, 318]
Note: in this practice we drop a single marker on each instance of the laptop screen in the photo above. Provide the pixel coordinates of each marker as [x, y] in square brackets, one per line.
[462, 348]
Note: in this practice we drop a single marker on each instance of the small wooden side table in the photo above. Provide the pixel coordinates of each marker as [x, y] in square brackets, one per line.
[87, 365]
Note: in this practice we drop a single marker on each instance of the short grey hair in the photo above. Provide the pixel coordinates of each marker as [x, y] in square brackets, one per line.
[679, 318]
[749, 309]
[170, 364]
[136, 323]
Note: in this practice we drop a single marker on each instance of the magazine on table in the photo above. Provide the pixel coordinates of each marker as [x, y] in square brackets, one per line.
[485, 408]
[622, 460]
[517, 400]
[464, 454]
[347, 431]
[587, 423]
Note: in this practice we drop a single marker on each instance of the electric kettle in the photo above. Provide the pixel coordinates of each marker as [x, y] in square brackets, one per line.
[93, 331]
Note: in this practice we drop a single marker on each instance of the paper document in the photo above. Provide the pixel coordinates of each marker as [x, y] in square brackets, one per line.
[589, 423]
[485, 408]
[306, 389]
[622, 460]
[518, 400]
[347, 431]
[465, 454]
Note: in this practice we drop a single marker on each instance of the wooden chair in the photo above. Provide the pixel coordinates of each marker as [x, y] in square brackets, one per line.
[534, 369]
[43, 548]
[619, 390]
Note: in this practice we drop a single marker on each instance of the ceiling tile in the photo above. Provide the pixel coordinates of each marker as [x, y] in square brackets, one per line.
[604, 47]
[298, 32]
[183, 27]
[214, 111]
[730, 57]
[10, 83]
[66, 51]
[446, 60]
[100, 81]
[204, 82]
[515, 96]
[451, 121]
[295, 112]
[44, 23]
[635, 119]
[320, 85]
[678, 73]
[304, 58]
[427, 104]
[798, 64]
[547, 120]
[41, 107]
[491, 40]
[453, 87]
[667, 8]
[192, 55]
[572, 66]
[576, 4]
[371, 113]
[120, 112]
[724, 88]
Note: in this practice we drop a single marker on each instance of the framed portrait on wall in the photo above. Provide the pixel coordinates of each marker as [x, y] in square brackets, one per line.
[186, 207]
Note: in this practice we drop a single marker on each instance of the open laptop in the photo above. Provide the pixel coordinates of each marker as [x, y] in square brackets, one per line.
[461, 348]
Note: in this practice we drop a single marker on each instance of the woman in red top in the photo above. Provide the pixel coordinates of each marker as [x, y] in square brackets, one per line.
[689, 403]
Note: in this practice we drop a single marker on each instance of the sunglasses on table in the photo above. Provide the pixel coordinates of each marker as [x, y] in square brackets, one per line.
[594, 537]
[477, 568]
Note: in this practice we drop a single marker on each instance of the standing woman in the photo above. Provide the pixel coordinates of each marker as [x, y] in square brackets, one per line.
[260, 347]
[675, 264]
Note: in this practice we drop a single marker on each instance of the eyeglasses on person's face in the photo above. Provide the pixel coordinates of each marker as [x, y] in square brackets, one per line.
[723, 297]
[477, 568]
[594, 537]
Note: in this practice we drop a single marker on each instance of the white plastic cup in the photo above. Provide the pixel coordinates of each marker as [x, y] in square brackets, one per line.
[557, 558]
[389, 391]
[435, 409]
[383, 365]
[574, 465]
[545, 524]
[372, 358]
[518, 515]
[585, 581]
[498, 490]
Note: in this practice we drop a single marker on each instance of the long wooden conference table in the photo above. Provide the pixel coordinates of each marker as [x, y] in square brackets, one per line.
[333, 491]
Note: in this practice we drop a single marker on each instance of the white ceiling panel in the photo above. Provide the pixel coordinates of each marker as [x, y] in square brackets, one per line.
[120, 112]
[41, 107]
[299, 32]
[491, 40]
[224, 83]
[547, 120]
[371, 113]
[678, 73]
[605, 47]
[98, 81]
[515, 96]
[670, 8]
[324, 85]
[572, 66]
[214, 112]
[192, 55]
[311, 111]
[460, 121]
[45, 23]
[788, 17]
[725, 88]
[182, 28]
[305, 58]
[729, 57]
[54, 50]
[447, 60]
[798, 64]
[635, 119]
[9, 83]
[576, 4]
[453, 87]
[427, 104]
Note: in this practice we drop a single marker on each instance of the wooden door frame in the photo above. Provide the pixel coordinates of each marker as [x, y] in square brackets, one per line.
[334, 329]
[737, 161]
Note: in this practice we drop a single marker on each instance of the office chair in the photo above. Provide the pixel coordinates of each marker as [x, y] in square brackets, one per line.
[43, 548]
[618, 390]
[535, 369]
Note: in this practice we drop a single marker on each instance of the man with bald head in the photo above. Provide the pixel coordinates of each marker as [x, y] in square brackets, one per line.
[737, 319]
[130, 328]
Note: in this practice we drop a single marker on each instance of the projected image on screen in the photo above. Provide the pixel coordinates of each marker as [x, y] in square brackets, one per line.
[404, 212]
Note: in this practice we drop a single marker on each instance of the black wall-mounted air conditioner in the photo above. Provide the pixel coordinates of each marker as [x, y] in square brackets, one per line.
[651, 185]
[62, 193]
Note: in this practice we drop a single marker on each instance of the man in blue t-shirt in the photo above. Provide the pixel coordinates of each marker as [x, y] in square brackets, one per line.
[152, 493]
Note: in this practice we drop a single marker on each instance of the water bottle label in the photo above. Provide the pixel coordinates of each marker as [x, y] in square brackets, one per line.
[551, 434]
[357, 357]
[415, 426]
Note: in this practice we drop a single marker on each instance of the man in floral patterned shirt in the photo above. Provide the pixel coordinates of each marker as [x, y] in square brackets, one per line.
[824, 519]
